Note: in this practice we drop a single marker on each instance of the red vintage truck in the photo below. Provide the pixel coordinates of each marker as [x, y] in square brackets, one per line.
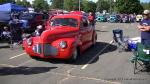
[66, 37]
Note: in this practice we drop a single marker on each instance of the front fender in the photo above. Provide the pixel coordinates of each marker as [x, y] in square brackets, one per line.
[72, 44]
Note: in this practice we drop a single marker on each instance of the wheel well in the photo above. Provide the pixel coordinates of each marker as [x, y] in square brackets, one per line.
[78, 49]
[96, 37]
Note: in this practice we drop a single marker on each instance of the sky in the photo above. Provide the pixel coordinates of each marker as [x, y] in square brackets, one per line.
[97, 0]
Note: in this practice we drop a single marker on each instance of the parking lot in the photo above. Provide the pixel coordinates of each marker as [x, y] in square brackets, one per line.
[101, 64]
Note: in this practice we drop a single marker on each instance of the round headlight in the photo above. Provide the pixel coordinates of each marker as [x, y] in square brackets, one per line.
[63, 44]
[29, 41]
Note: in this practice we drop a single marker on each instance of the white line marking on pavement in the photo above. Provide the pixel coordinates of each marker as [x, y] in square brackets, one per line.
[22, 64]
[7, 65]
[17, 56]
[84, 66]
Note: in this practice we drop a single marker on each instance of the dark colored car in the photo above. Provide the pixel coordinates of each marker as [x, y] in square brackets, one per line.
[101, 18]
[113, 18]
[31, 20]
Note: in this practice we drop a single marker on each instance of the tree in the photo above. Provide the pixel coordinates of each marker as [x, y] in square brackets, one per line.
[26, 3]
[102, 5]
[73, 5]
[68, 5]
[6, 1]
[23, 3]
[146, 6]
[57, 4]
[129, 6]
[40, 5]
[89, 6]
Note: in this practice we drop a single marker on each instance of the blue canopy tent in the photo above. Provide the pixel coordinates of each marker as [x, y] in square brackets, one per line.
[7, 9]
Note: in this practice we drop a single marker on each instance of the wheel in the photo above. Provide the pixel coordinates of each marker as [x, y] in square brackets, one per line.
[74, 56]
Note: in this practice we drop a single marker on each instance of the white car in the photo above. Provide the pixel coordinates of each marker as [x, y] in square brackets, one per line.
[139, 18]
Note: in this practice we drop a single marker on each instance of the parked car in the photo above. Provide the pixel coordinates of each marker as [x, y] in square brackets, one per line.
[114, 18]
[31, 21]
[66, 37]
[101, 18]
[139, 18]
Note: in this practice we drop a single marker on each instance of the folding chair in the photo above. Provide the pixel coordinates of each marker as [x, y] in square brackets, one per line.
[142, 58]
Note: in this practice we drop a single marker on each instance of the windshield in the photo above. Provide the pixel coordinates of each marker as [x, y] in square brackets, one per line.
[64, 22]
[26, 16]
[113, 16]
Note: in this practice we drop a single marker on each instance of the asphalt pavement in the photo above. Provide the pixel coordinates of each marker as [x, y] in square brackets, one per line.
[101, 64]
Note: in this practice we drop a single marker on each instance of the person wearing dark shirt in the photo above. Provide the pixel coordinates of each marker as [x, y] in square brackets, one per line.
[145, 28]
[15, 30]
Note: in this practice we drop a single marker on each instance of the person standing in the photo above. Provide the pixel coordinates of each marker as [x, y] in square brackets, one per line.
[91, 18]
[6, 33]
[144, 27]
[39, 30]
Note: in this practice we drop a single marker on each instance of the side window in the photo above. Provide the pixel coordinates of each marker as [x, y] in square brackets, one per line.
[81, 24]
[85, 22]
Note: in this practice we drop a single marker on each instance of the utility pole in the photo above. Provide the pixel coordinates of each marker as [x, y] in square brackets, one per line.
[110, 6]
[79, 5]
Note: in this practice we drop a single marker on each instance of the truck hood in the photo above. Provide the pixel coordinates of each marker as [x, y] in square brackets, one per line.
[58, 32]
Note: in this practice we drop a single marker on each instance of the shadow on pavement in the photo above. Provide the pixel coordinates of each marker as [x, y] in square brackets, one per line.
[95, 51]
[87, 55]
[4, 46]
[23, 70]
[101, 31]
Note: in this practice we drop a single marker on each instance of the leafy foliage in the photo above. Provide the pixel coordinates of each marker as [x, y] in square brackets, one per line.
[146, 5]
[6, 1]
[103, 5]
[68, 5]
[129, 6]
[40, 5]
[23, 3]
[57, 4]
[89, 6]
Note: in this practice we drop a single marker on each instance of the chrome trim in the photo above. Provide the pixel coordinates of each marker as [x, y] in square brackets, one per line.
[50, 50]
[37, 48]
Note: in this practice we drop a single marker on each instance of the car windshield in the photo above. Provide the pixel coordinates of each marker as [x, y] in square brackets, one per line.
[101, 16]
[113, 16]
[26, 16]
[64, 22]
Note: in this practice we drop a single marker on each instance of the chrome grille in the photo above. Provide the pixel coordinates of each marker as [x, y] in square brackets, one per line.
[37, 48]
[49, 50]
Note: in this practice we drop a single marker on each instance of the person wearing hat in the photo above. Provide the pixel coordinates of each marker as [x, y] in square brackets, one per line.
[144, 27]
[39, 30]
[6, 33]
